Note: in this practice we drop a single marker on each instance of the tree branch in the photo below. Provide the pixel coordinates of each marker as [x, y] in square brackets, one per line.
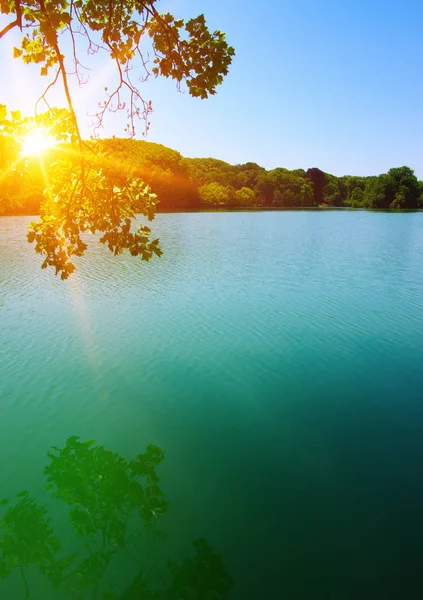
[43, 95]
[134, 98]
[8, 28]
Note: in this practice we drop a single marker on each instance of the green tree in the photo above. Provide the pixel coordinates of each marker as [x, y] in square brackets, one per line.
[82, 196]
[377, 193]
[399, 188]
[332, 191]
[356, 198]
[405, 189]
[208, 170]
[245, 197]
[265, 188]
[292, 189]
[247, 174]
[307, 193]
[162, 168]
[347, 185]
[318, 179]
[214, 193]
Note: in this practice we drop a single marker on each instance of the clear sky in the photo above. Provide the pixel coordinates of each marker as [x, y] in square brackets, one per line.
[331, 84]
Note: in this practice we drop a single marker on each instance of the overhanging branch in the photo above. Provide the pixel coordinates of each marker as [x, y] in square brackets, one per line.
[8, 28]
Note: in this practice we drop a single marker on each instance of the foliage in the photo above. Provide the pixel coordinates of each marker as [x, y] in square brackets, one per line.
[318, 179]
[355, 199]
[184, 183]
[184, 51]
[123, 178]
[245, 197]
[332, 191]
[210, 170]
[265, 188]
[104, 197]
[161, 168]
[214, 193]
[404, 188]
[83, 192]
[22, 179]
[101, 200]
[292, 189]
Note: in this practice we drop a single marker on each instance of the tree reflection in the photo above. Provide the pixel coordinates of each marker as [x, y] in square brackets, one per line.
[27, 538]
[114, 509]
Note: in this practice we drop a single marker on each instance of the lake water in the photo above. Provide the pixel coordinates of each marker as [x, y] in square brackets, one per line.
[275, 359]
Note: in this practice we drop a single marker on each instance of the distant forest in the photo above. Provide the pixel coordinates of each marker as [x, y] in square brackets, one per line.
[200, 183]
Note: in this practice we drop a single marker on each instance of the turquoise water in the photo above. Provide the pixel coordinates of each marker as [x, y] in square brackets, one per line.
[274, 362]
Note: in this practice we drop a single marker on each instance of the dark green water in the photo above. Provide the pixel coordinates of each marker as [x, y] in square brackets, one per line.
[274, 361]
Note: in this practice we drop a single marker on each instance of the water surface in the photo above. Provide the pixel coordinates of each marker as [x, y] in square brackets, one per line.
[274, 358]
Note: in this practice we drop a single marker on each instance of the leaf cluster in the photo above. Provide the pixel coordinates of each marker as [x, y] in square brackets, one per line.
[96, 201]
[135, 35]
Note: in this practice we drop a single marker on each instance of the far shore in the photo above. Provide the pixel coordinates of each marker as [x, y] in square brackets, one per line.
[225, 209]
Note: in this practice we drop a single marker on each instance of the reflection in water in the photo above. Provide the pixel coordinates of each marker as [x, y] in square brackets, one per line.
[114, 507]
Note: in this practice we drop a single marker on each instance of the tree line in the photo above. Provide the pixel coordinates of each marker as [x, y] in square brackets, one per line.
[200, 183]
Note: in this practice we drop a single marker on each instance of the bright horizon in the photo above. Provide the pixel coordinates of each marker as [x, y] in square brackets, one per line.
[334, 87]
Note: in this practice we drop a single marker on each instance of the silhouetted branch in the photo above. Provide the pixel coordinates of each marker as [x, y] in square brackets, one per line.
[44, 94]
[8, 28]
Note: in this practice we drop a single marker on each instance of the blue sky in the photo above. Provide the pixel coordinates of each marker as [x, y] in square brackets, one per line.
[336, 85]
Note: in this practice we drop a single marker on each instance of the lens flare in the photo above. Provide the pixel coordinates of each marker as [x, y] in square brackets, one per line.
[36, 142]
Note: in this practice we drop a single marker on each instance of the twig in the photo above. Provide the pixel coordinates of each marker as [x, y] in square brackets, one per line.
[43, 95]
[8, 28]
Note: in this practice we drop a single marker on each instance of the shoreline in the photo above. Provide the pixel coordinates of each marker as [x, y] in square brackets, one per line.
[256, 209]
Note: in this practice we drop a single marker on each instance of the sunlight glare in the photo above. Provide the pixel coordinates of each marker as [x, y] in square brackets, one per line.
[36, 142]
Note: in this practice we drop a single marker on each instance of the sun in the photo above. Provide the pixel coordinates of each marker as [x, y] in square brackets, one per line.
[36, 142]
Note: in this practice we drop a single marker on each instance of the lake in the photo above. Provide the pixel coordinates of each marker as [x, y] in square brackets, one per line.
[272, 364]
